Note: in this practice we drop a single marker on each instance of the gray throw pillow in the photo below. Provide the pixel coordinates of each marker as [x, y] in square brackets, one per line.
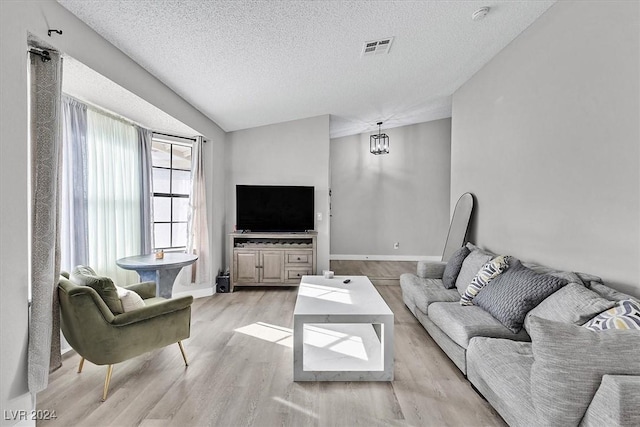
[511, 295]
[85, 276]
[572, 304]
[470, 267]
[569, 363]
[453, 267]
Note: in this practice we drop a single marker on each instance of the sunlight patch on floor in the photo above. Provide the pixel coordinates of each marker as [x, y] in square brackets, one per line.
[271, 333]
[295, 407]
[321, 336]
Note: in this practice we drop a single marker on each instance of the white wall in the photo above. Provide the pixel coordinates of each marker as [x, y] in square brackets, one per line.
[17, 19]
[290, 153]
[400, 197]
[546, 135]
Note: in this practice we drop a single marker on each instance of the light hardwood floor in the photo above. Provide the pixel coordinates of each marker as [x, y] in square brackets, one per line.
[236, 379]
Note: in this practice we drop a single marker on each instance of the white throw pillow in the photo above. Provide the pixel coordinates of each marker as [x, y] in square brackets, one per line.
[129, 299]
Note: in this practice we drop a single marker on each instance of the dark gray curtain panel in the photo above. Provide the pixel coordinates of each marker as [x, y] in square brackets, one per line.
[46, 152]
[146, 191]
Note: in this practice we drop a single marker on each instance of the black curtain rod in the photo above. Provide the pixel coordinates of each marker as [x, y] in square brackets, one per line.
[174, 136]
[43, 54]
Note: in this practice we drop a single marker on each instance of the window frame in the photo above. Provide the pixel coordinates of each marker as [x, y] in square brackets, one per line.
[171, 195]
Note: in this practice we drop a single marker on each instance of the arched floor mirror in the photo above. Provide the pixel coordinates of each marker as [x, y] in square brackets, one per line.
[459, 225]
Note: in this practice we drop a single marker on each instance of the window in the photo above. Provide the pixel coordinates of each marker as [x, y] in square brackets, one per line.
[171, 170]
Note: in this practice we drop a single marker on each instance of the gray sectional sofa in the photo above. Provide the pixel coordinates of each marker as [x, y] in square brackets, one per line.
[521, 343]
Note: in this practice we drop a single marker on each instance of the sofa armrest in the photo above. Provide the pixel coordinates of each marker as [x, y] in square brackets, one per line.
[152, 310]
[616, 402]
[145, 289]
[431, 269]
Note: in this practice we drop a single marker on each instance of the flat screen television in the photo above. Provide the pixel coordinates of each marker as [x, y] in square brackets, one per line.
[275, 208]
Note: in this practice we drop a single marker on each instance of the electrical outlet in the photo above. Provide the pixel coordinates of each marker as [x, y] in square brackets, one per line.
[396, 245]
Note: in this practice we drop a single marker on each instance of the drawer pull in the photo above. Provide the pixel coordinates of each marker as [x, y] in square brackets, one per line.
[298, 258]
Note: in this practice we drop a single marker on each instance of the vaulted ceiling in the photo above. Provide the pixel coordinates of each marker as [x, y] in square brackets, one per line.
[251, 63]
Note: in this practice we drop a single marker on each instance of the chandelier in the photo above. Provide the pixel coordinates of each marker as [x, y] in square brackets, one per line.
[379, 144]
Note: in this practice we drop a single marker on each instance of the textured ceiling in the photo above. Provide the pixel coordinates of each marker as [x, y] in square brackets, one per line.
[85, 84]
[251, 63]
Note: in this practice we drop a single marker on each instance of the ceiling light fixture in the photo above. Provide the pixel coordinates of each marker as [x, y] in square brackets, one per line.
[479, 14]
[379, 144]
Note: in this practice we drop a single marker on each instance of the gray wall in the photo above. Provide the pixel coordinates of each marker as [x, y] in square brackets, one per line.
[400, 197]
[290, 153]
[17, 19]
[546, 135]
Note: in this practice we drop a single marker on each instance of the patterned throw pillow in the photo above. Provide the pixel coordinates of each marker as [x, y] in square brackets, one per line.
[453, 267]
[624, 315]
[487, 273]
[470, 267]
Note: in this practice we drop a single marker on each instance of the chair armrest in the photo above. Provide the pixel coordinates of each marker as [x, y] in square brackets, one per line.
[152, 310]
[144, 289]
[431, 269]
[616, 402]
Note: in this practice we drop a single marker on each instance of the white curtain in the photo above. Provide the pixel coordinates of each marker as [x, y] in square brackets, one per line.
[113, 189]
[46, 151]
[73, 230]
[197, 229]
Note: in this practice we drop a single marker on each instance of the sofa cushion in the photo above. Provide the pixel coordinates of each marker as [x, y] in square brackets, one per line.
[453, 267]
[470, 267]
[588, 278]
[565, 379]
[419, 293]
[624, 315]
[569, 276]
[511, 295]
[85, 276]
[488, 272]
[430, 269]
[616, 403]
[571, 304]
[501, 370]
[606, 292]
[461, 323]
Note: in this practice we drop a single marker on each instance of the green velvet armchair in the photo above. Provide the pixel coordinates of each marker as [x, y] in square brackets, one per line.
[103, 337]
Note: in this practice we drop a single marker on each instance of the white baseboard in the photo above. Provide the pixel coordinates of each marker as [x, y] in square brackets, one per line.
[196, 293]
[341, 257]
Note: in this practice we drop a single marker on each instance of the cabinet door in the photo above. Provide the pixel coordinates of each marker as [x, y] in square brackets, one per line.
[245, 267]
[272, 266]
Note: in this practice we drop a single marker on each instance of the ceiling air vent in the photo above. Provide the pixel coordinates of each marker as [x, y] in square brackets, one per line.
[377, 47]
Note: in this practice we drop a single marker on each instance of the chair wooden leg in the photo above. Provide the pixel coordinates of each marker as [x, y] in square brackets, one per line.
[184, 355]
[81, 365]
[106, 382]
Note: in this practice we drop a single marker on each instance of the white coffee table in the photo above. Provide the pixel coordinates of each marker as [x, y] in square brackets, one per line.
[341, 332]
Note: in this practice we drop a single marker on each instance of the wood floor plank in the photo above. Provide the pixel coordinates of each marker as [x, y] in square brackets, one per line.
[379, 272]
[241, 374]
